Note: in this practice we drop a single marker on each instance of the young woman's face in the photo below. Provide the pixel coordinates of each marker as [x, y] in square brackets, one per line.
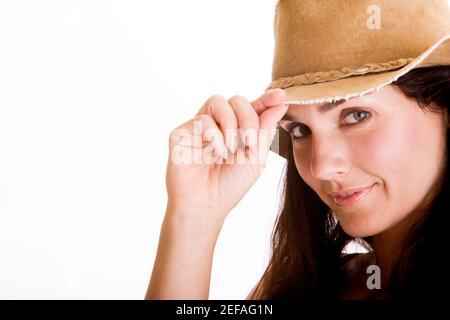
[383, 142]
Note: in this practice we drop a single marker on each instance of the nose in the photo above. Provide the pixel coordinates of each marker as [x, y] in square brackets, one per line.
[329, 157]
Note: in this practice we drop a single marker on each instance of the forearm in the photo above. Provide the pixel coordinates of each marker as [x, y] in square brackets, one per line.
[182, 268]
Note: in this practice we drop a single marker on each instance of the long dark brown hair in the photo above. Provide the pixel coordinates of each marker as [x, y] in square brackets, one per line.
[307, 241]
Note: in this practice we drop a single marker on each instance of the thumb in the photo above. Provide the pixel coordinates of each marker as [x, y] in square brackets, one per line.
[268, 100]
[270, 117]
[268, 123]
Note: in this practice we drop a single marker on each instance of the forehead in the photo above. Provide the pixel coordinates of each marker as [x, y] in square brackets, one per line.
[372, 99]
[294, 111]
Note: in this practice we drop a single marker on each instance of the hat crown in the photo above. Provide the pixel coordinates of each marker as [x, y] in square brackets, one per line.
[323, 35]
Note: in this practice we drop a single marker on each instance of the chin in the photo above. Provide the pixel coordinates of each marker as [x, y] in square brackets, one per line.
[360, 230]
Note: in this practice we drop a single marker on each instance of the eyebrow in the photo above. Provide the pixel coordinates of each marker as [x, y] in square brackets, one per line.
[322, 109]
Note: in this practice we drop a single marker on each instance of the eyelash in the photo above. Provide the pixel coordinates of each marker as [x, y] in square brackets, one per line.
[368, 116]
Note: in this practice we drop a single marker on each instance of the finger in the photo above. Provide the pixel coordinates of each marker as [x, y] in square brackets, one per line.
[269, 99]
[197, 131]
[218, 108]
[268, 123]
[247, 118]
[209, 131]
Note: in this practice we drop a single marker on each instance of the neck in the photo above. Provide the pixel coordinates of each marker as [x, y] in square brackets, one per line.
[387, 245]
[385, 248]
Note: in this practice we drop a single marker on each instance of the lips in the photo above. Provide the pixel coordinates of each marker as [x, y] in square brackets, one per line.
[349, 197]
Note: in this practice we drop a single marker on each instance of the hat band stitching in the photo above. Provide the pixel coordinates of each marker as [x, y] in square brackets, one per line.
[325, 76]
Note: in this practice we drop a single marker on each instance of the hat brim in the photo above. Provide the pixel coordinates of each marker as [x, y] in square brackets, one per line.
[355, 86]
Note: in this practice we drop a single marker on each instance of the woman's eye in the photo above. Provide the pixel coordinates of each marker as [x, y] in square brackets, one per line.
[298, 131]
[358, 116]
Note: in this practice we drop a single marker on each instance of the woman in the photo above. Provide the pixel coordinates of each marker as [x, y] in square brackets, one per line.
[365, 111]
[393, 142]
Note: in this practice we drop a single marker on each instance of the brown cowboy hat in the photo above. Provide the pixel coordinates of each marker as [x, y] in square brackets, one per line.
[327, 51]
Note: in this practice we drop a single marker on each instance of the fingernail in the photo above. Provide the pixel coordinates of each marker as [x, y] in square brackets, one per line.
[224, 152]
[231, 144]
[219, 149]
[274, 90]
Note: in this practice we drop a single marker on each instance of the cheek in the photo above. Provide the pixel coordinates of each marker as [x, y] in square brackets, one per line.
[390, 155]
[378, 151]
[385, 150]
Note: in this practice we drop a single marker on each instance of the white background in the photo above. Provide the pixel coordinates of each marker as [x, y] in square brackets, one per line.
[89, 92]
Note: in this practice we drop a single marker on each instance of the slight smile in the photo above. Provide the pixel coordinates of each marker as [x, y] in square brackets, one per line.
[348, 201]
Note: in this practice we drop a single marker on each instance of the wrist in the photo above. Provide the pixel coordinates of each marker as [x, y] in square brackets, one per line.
[195, 214]
[194, 221]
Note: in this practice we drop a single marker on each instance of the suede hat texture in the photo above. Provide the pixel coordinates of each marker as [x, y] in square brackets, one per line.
[327, 51]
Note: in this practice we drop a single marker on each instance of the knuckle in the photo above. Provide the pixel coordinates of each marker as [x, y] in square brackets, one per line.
[216, 99]
[243, 108]
[204, 122]
[214, 102]
[175, 135]
[202, 117]
[237, 99]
